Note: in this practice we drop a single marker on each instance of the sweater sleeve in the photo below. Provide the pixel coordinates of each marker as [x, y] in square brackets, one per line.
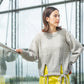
[74, 46]
[33, 52]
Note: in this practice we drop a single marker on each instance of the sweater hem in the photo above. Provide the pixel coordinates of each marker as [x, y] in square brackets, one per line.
[51, 73]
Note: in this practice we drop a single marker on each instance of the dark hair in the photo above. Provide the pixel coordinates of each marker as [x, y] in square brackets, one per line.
[47, 13]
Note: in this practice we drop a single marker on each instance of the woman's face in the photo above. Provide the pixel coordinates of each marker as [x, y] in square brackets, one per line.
[54, 18]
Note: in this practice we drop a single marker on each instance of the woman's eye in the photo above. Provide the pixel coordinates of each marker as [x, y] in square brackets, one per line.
[56, 15]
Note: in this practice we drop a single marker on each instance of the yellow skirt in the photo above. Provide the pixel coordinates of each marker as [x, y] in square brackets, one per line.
[53, 79]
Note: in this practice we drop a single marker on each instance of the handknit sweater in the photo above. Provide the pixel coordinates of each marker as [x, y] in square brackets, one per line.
[54, 49]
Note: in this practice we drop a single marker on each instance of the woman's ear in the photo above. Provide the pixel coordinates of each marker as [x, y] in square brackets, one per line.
[47, 19]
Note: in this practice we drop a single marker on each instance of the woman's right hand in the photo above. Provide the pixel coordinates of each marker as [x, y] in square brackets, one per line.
[19, 51]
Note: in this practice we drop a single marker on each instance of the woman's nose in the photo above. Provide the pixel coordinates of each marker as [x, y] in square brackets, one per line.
[57, 17]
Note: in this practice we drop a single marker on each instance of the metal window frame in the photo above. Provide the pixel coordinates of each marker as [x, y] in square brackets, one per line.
[37, 6]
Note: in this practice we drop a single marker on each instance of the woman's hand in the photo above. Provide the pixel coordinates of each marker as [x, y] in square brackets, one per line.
[70, 72]
[19, 51]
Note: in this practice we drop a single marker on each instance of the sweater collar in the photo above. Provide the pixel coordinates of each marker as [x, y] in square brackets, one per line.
[52, 34]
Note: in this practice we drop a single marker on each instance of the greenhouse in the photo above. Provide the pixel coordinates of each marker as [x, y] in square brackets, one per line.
[37, 37]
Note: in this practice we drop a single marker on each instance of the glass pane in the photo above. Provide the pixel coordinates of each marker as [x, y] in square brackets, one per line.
[27, 3]
[4, 5]
[5, 29]
[30, 25]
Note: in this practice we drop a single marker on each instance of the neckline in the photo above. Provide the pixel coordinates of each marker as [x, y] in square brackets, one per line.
[53, 34]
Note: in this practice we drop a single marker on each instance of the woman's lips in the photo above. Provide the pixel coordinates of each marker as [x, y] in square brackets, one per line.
[57, 22]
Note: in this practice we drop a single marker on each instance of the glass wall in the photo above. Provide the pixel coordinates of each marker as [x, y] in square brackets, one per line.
[18, 28]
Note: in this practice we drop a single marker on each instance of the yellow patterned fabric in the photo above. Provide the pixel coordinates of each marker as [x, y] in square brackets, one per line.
[53, 79]
[2, 80]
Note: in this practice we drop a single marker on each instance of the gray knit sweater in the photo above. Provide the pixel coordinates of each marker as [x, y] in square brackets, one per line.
[54, 49]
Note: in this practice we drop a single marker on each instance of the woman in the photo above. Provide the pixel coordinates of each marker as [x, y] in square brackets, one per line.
[52, 48]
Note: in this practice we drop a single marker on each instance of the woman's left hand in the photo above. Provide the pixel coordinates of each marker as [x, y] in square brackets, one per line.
[70, 72]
